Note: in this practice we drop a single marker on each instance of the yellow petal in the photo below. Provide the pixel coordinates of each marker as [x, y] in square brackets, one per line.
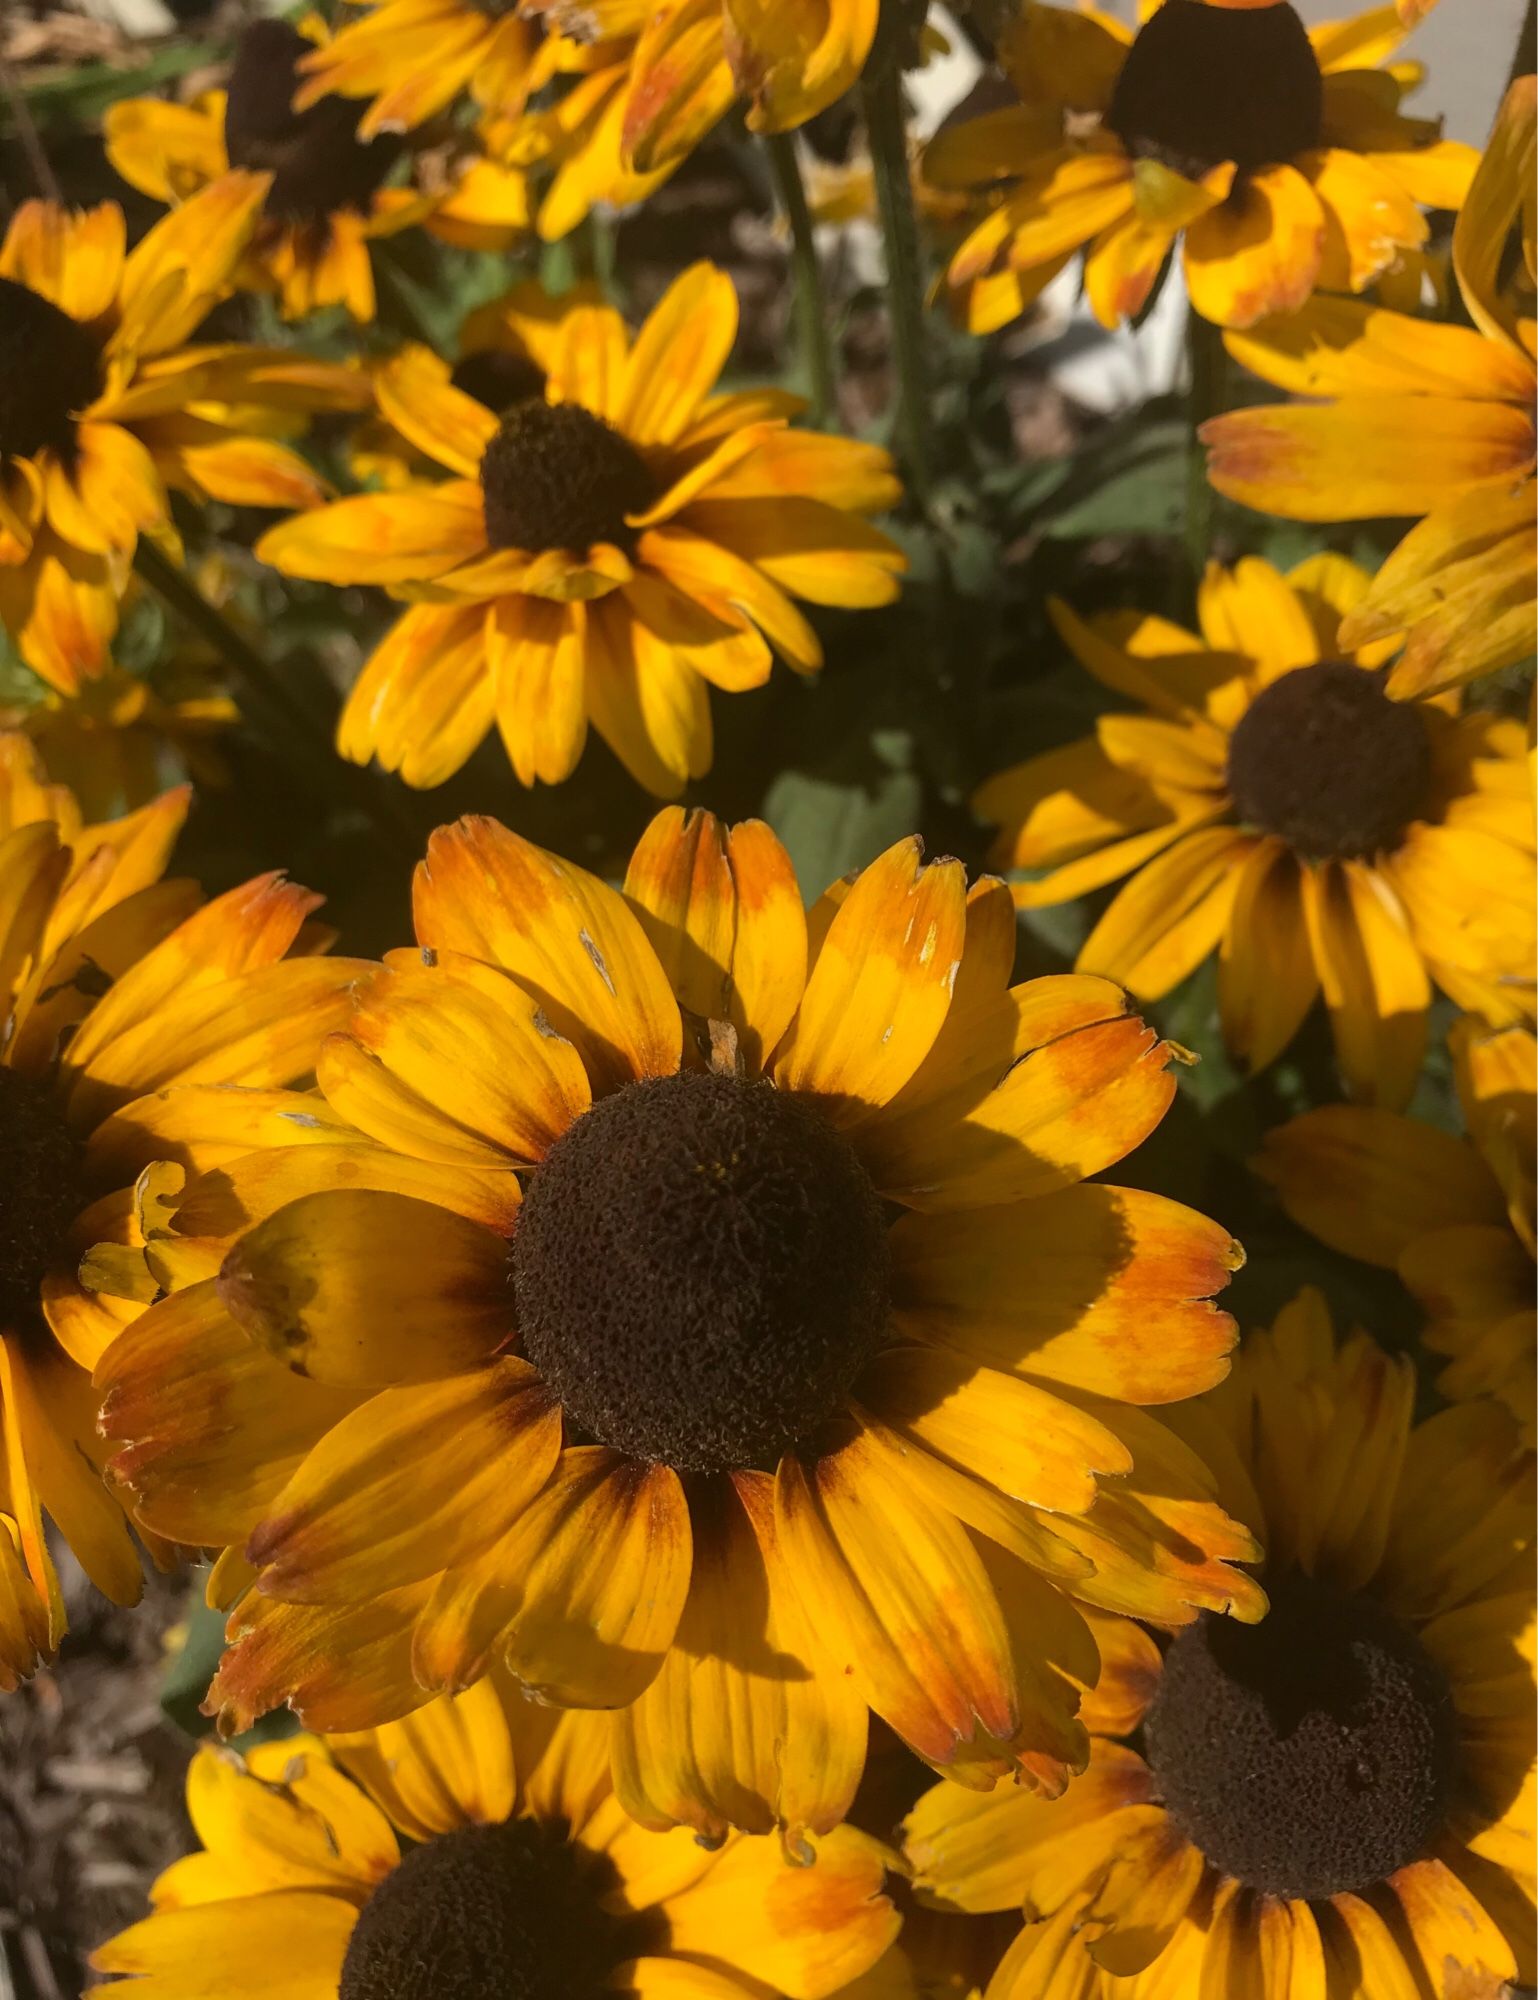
[242, 1947]
[362, 1288]
[878, 992]
[900, 1596]
[723, 911]
[677, 356]
[381, 537]
[466, 1047]
[1098, 1288]
[568, 940]
[410, 1483]
[1259, 252]
[726, 1735]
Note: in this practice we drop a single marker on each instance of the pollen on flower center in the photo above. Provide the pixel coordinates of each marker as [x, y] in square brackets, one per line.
[700, 1269]
[50, 370]
[1203, 84]
[557, 477]
[484, 1913]
[1309, 1755]
[39, 1192]
[315, 157]
[1326, 761]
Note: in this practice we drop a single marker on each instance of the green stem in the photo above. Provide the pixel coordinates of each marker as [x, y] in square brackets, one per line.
[806, 279]
[881, 91]
[269, 688]
[1208, 362]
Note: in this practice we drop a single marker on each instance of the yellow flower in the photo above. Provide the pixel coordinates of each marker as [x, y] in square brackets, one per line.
[1337, 1801]
[1421, 419]
[1279, 154]
[103, 406]
[602, 551]
[1455, 1218]
[325, 202]
[1272, 804]
[124, 1007]
[477, 1850]
[594, 1350]
[788, 59]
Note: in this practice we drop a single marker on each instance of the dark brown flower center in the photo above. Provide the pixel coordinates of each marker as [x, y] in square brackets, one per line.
[40, 1192]
[50, 370]
[1324, 760]
[507, 1912]
[557, 477]
[1203, 84]
[700, 1269]
[1309, 1755]
[315, 157]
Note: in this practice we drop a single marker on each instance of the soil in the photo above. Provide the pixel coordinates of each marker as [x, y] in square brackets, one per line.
[91, 1788]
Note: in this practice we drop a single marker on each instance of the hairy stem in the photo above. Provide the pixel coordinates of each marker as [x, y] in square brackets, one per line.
[881, 90]
[806, 279]
[1208, 359]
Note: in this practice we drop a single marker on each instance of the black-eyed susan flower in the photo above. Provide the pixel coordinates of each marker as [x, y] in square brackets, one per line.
[326, 201]
[1277, 156]
[602, 551]
[104, 406]
[123, 1004]
[1270, 802]
[1454, 1217]
[719, 1332]
[695, 58]
[1418, 418]
[1337, 1800]
[477, 1850]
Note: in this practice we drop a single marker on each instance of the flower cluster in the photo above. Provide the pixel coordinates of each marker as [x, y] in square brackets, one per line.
[685, 1355]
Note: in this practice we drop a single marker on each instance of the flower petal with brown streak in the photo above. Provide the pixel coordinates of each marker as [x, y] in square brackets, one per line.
[900, 1596]
[210, 1425]
[360, 1289]
[747, 1723]
[1347, 461]
[581, 1597]
[338, 1667]
[409, 1483]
